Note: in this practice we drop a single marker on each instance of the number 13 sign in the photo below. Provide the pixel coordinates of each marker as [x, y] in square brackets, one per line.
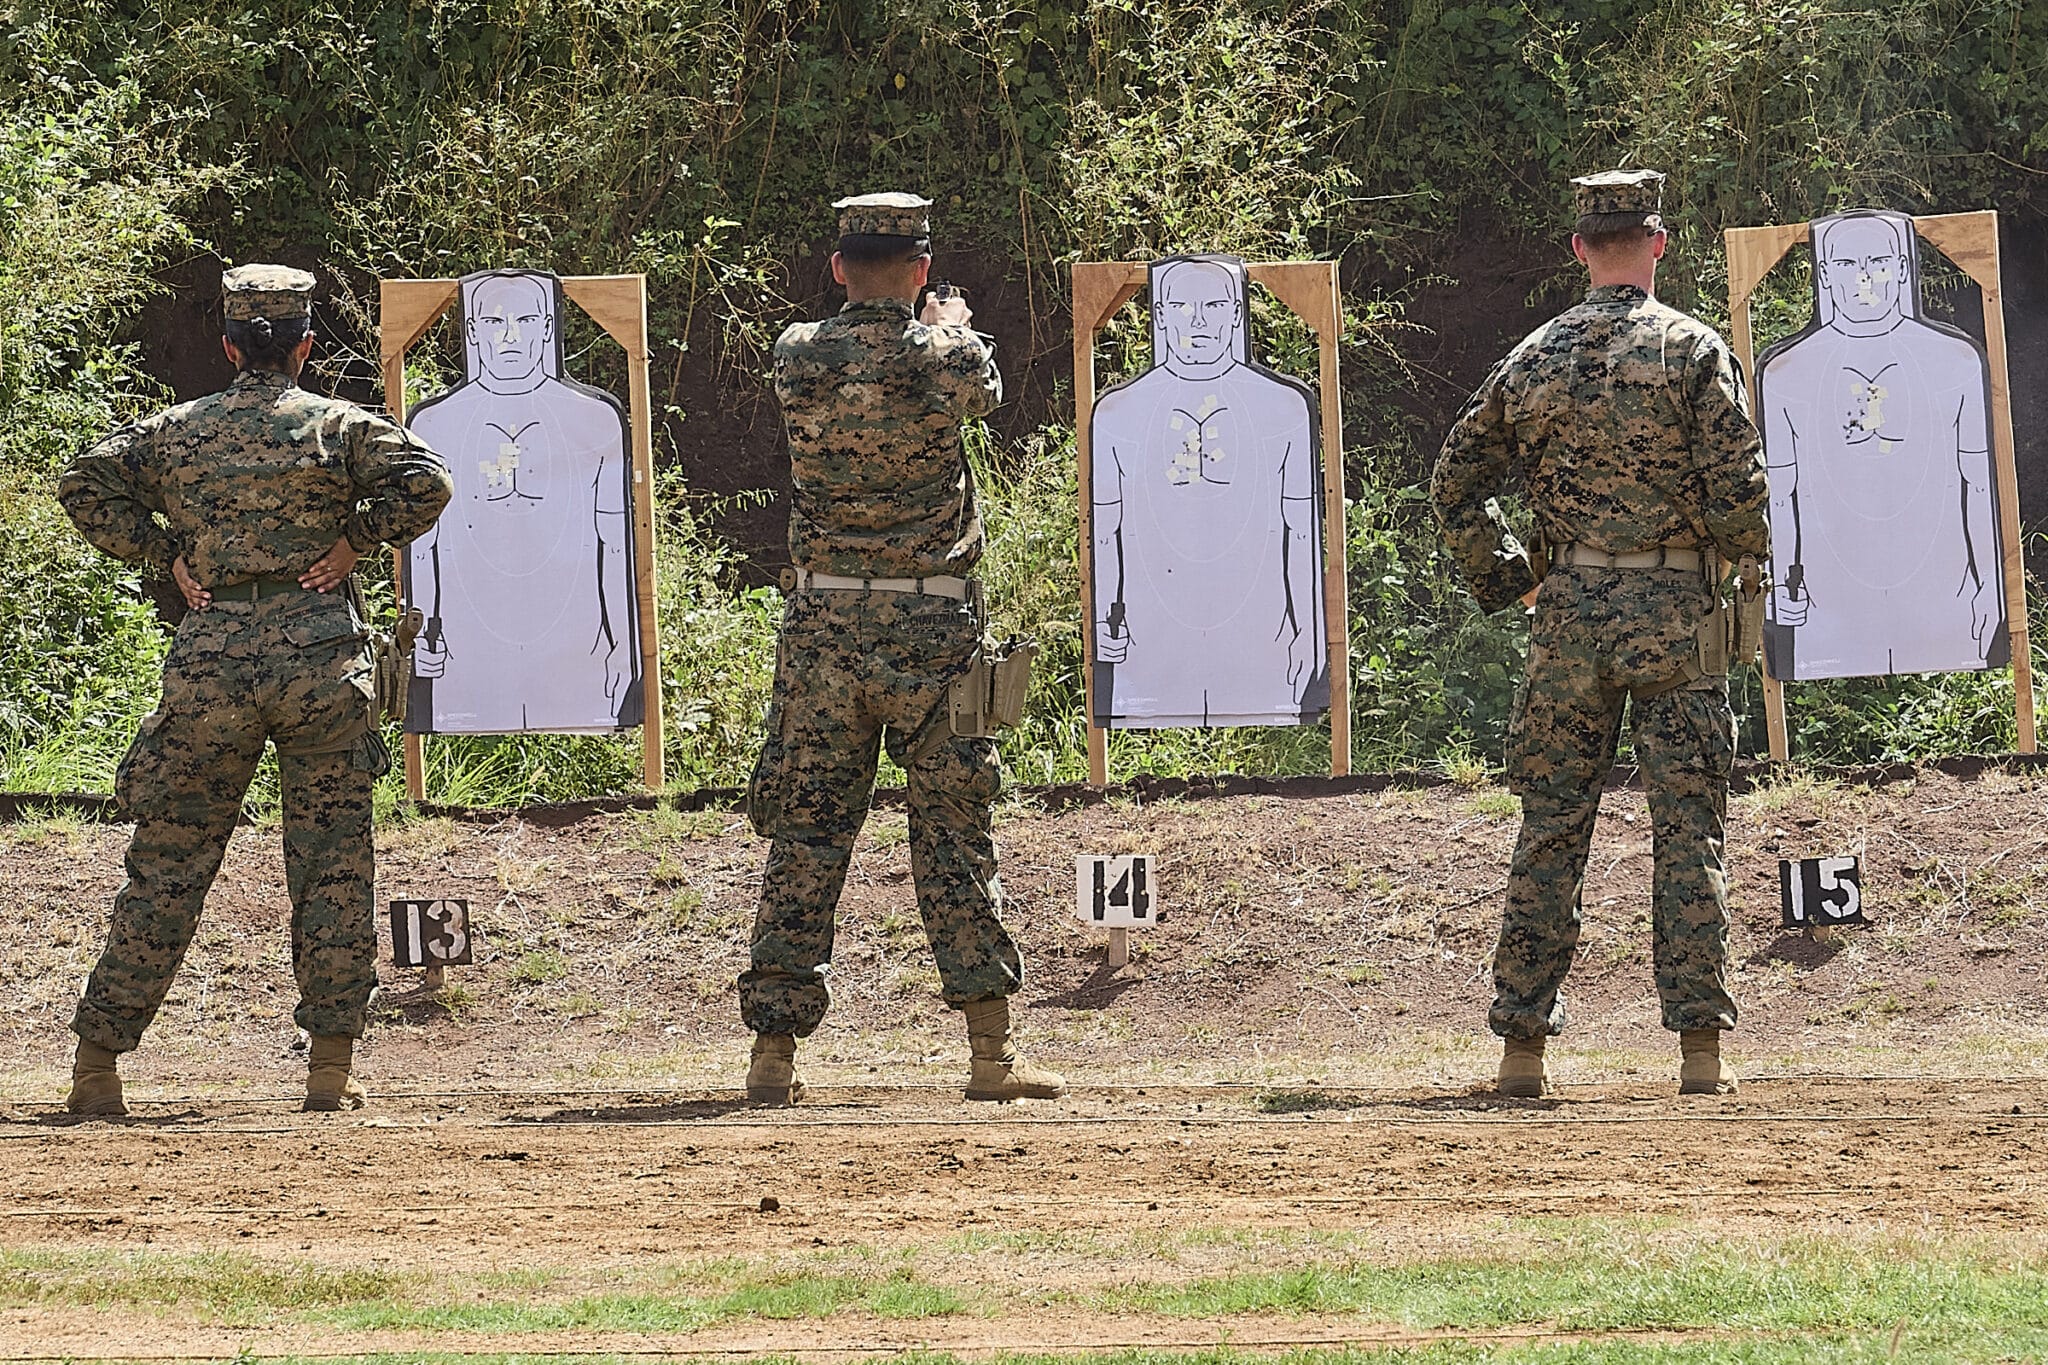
[430, 933]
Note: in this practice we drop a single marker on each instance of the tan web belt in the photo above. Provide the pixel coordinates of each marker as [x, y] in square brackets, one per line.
[1664, 557]
[253, 589]
[942, 585]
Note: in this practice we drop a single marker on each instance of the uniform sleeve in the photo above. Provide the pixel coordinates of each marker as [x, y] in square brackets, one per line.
[112, 495]
[401, 484]
[967, 371]
[1730, 455]
[1475, 464]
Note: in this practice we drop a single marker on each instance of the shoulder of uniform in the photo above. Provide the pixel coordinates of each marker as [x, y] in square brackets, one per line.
[795, 337]
[1561, 331]
[1700, 338]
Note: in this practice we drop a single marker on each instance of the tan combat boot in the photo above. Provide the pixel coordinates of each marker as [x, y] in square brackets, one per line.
[328, 1084]
[95, 1085]
[1700, 1068]
[1521, 1069]
[997, 1072]
[771, 1073]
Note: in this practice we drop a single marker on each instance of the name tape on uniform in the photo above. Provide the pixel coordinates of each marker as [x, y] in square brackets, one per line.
[430, 933]
[1821, 891]
[1115, 892]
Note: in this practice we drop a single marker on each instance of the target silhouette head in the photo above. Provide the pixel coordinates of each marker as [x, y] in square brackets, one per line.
[512, 329]
[1863, 266]
[1201, 313]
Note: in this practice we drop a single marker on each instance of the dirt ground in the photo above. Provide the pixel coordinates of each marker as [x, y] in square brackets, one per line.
[1299, 1046]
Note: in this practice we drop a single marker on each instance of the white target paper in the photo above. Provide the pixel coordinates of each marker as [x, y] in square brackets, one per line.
[1207, 591]
[1883, 521]
[527, 581]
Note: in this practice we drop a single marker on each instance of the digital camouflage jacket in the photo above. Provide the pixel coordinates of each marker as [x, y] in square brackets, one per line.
[1626, 424]
[873, 401]
[258, 480]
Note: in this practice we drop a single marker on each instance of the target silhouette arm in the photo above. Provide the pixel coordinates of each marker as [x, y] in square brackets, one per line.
[614, 580]
[1981, 565]
[1300, 618]
[1112, 627]
[1781, 454]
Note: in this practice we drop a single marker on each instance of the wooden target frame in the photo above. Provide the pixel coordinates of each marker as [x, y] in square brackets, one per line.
[618, 304]
[1309, 290]
[1970, 240]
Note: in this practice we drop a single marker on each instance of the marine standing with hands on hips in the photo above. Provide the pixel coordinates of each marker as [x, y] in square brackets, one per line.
[257, 501]
[879, 619]
[1626, 425]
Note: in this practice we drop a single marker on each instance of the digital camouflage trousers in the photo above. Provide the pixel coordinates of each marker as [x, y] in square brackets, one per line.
[294, 669]
[1598, 635]
[854, 671]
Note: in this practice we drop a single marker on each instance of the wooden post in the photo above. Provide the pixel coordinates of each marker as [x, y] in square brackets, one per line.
[617, 303]
[1971, 241]
[1752, 252]
[405, 310]
[1119, 949]
[1100, 288]
[1309, 289]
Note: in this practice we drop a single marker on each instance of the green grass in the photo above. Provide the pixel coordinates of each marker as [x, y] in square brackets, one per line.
[1651, 1291]
[1799, 1284]
[540, 967]
[1873, 1348]
[212, 1283]
[801, 1294]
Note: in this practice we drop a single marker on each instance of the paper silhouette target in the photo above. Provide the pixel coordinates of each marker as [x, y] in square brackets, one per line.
[1876, 431]
[1207, 592]
[528, 580]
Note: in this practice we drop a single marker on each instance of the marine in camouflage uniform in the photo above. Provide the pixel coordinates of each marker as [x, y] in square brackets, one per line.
[1626, 424]
[257, 501]
[879, 620]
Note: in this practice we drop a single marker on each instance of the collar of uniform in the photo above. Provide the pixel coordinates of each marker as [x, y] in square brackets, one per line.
[889, 307]
[251, 378]
[1617, 293]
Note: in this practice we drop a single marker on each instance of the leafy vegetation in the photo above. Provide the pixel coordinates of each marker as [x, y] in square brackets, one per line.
[701, 141]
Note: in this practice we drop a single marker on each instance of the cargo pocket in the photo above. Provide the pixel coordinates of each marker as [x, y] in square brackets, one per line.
[330, 702]
[1707, 726]
[371, 755]
[1516, 757]
[139, 784]
[769, 784]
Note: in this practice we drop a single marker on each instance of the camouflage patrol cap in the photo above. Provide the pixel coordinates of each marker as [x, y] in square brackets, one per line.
[893, 214]
[249, 292]
[1631, 194]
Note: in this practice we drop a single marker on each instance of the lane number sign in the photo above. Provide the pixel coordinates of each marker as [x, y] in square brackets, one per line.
[430, 933]
[1115, 893]
[1821, 891]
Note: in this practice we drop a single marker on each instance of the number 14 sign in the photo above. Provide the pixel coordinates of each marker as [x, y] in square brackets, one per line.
[1114, 893]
